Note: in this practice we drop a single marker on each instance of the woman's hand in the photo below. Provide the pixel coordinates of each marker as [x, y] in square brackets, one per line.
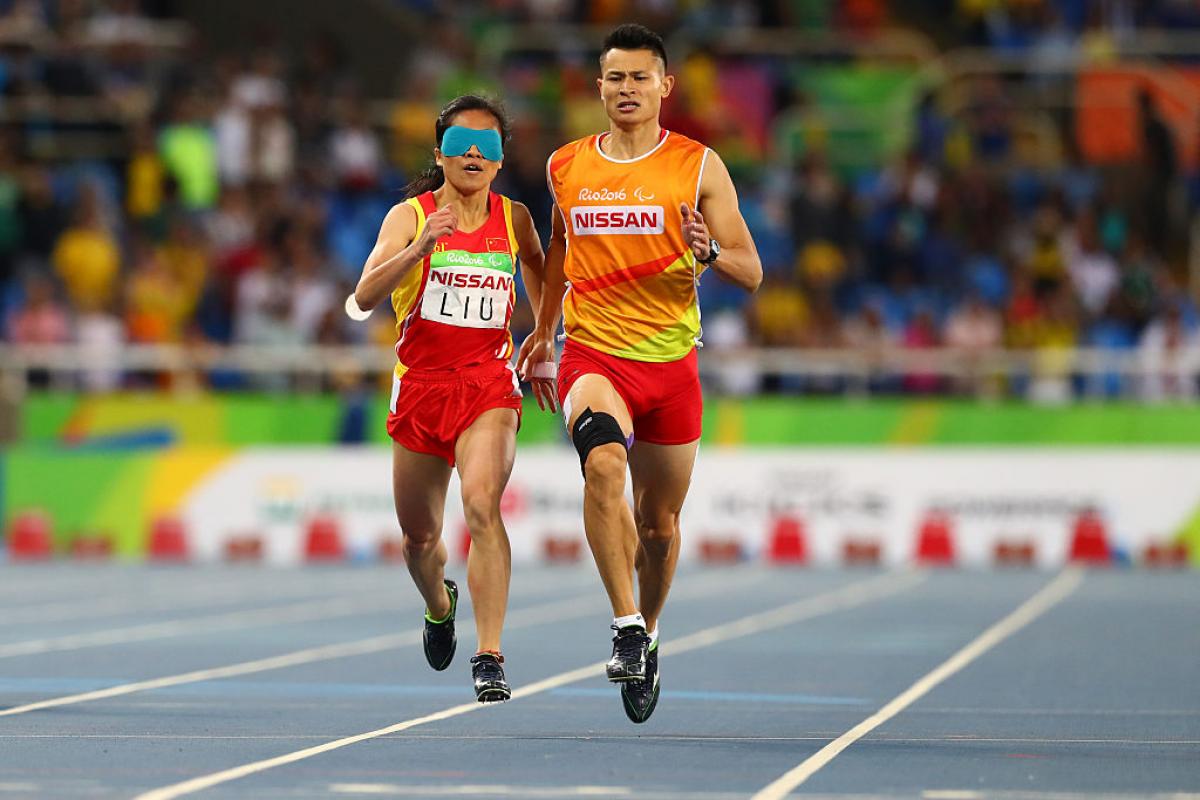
[442, 222]
[535, 362]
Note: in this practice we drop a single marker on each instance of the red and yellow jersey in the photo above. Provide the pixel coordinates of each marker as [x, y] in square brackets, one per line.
[632, 279]
[453, 309]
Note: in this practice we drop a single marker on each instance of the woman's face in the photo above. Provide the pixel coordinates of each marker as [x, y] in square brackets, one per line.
[470, 172]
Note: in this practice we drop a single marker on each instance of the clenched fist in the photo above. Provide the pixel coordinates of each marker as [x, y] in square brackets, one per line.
[695, 231]
[442, 222]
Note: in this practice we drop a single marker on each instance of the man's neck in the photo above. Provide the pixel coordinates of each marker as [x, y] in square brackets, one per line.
[629, 143]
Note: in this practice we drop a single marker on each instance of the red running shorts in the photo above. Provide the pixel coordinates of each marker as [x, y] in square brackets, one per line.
[430, 410]
[663, 398]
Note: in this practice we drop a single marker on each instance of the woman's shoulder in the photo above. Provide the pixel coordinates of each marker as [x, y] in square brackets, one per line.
[405, 213]
[513, 204]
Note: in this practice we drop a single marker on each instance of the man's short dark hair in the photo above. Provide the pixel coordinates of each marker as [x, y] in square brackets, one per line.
[632, 36]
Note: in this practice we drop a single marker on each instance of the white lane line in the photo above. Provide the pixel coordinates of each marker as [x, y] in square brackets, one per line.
[813, 737]
[1023, 794]
[494, 790]
[13, 596]
[1062, 712]
[136, 584]
[823, 737]
[577, 607]
[41, 580]
[307, 611]
[1031, 609]
[180, 600]
[556, 611]
[850, 596]
[199, 593]
[548, 792]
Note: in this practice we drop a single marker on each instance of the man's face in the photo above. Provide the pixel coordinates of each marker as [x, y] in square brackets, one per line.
[632, 85]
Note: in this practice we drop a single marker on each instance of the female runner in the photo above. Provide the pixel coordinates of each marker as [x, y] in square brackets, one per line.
[446, 256]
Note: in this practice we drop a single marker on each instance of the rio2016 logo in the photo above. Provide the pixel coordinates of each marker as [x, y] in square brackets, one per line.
[604, 194]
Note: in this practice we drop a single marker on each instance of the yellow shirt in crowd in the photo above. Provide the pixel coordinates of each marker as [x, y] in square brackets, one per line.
[87, 261]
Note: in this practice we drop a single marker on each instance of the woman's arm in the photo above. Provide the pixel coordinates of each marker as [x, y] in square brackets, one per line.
[533, 260]
[396, 252]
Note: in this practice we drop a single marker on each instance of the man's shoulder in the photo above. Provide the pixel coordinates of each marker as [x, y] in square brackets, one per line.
[578, 144]
[567, 152]
[677, 139]
[685, 144]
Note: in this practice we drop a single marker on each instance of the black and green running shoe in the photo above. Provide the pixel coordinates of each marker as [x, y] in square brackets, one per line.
[490, 684]
[640, 697]
[438, 637]
[628, 662]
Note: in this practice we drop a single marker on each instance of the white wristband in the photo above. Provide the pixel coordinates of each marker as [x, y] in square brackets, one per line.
[544, 369]
[353, 311]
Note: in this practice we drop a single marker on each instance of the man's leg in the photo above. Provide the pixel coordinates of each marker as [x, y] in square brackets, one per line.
[484, 454]
[607, 518]
[662, 475]
[419, 484]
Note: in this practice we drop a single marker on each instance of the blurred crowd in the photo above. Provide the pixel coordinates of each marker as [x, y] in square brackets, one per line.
[154, 190]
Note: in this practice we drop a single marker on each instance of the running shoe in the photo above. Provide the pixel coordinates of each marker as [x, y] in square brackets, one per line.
[490, 683]
[641, 697]
[438, 637]
[628, 662]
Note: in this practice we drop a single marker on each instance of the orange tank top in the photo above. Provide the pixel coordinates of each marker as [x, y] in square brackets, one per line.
[632, 280]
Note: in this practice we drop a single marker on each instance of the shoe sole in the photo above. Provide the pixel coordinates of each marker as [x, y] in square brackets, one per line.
[638, 717]
[444, 666]
[493, 695]
[626, 678]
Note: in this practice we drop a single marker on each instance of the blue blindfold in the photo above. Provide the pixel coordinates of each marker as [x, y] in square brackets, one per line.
[458, 140]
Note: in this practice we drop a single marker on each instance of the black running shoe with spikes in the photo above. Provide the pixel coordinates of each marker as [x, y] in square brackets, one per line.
[641, 697]
[490, 683]
[438, 637]
[628, 662]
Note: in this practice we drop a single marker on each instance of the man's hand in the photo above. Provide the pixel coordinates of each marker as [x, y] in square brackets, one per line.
[538, 349]
[442, 222]
[695, 232]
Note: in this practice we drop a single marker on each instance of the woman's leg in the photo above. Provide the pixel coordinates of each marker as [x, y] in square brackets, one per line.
[419, 483]
[484, 453]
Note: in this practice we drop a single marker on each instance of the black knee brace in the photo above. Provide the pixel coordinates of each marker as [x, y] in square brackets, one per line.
[593, 429]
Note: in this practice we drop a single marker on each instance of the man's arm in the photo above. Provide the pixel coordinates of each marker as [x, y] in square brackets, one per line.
[717, 217]
[555, 283]
[538, 348]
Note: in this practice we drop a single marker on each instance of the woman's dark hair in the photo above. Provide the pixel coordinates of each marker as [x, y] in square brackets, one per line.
[632, 36]
[433, 177]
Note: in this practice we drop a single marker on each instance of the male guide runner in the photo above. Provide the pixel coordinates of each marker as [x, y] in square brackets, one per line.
[640, 213]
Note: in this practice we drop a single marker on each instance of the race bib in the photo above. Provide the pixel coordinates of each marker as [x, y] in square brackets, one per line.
[468, 290]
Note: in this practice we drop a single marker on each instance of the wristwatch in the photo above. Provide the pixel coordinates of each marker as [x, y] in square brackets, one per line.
[714, 250]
